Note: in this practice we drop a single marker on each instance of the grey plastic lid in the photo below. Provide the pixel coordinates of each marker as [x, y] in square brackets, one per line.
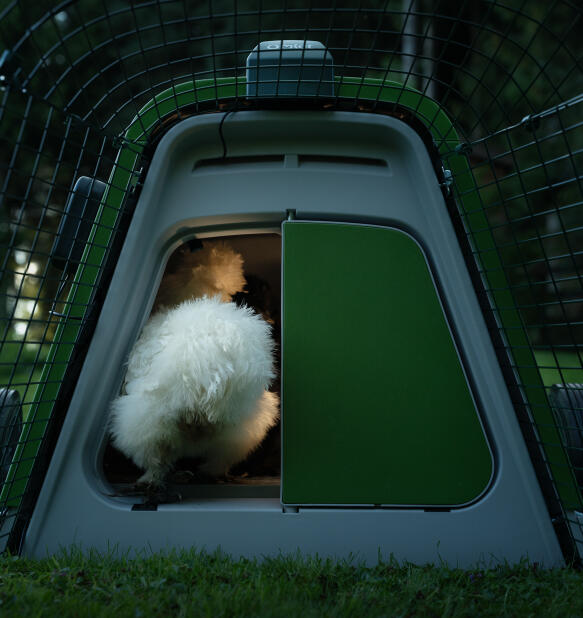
[291, 69]
[76, 223]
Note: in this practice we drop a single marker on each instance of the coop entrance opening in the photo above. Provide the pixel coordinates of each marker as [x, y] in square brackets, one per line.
[237, 271]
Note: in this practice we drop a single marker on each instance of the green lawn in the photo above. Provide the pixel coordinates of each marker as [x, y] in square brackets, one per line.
[197, 584]
[559, 367]
[21, 367]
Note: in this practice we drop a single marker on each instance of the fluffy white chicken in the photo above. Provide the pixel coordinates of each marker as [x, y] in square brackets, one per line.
[197, 377]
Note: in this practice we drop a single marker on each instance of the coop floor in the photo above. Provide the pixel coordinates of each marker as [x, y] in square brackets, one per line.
[256, 487]
[252, 478]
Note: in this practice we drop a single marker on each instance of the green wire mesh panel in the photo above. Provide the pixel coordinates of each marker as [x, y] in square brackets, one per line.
[75, 75]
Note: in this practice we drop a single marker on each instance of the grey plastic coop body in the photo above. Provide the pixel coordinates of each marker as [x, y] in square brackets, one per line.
[398, 433]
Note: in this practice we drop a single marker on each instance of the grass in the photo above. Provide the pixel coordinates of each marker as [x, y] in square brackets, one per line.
[21, 366]
[559, 367]
[191, 583]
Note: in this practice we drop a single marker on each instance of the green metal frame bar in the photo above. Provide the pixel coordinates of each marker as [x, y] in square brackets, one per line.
[368, 91]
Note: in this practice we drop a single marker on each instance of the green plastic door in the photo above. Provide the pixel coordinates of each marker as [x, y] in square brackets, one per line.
[376, 408]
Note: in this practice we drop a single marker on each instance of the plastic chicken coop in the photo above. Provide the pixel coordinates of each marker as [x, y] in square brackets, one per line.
[403, 182]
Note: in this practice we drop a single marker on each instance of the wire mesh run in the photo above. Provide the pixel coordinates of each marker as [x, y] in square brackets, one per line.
[525, 237]
[87, 88]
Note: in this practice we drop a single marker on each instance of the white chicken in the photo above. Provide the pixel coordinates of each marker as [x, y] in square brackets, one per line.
[197, 377]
